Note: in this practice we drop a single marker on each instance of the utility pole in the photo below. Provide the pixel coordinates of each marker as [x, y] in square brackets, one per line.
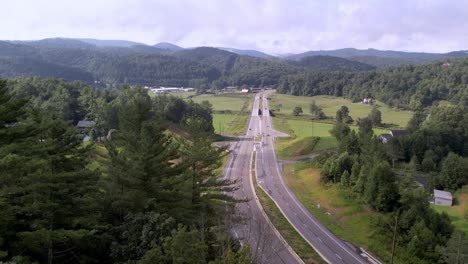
[394, 236]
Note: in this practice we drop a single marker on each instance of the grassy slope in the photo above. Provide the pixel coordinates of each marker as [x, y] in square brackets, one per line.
[459, 212]
[339, 211]
[330, 105]
[301, 131]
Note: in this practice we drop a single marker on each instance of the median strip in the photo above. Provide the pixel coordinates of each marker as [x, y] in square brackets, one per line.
[300, 247]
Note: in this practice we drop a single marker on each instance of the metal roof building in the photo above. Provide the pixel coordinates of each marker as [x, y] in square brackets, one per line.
[442, 198]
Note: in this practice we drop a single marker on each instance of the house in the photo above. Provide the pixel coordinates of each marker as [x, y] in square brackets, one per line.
[399, 133]
[367, 101]
[84, 125]
[442, 198]
[385, 138]
[244, 91]
[255, 90]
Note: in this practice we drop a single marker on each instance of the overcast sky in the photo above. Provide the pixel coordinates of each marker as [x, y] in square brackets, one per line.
[274, 26]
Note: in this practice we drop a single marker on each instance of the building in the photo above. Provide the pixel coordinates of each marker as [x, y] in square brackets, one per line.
[442, 198]
[368, 101]
[385, 138]
[399, 133]
[244, 91]
[255, 90]
[84, 125]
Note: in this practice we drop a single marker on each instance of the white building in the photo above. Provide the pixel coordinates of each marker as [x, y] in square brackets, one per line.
[442, 198]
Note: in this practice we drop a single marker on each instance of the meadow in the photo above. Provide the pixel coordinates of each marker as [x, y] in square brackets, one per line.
[230, 110]
[330, 104]
[458, 213]
[302, 134]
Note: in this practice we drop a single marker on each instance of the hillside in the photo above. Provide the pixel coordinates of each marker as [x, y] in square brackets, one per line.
[110, 43]
[168, 65]
[410, 87]
[167, 46]
[251, 53]
[381, 58]
[330, 63]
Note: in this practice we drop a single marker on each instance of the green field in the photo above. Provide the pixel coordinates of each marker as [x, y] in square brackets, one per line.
[230, 124]
[330, 105]
[301, 132]
[225, 102]
[458, 213]
[230, 110]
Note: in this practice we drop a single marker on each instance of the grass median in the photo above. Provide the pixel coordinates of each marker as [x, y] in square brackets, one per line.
[294, 239]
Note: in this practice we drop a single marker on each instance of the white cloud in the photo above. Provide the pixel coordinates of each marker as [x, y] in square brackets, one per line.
[271, 25]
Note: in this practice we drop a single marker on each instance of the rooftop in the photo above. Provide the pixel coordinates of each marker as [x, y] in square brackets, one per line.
[442, 194]
[397, 133]
[85, 123]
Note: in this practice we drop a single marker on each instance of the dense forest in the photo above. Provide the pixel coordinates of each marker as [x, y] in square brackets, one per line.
[154, 66]
[382, 176]
[408, 87]
[169, 65]
[137, 193]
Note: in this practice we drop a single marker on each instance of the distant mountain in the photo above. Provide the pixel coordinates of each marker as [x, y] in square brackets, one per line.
[330, 63]
[382, 58]
[110, 43]
[166, 64]
[167, 46]
[251, 53]
[58, 43]
[8, 48]
[239, 69]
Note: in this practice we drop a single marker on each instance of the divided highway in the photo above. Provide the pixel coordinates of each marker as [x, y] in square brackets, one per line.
[267, 245]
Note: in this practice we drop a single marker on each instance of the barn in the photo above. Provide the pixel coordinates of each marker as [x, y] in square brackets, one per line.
[442, 198]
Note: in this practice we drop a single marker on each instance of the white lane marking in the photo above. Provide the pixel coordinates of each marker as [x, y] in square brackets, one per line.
[316, 223]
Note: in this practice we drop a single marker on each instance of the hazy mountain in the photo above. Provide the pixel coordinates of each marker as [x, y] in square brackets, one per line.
[58, 43]
[251, 53]
[110, 43]
[167, 46]
[382, 58]
[330, 63]
[15, 49]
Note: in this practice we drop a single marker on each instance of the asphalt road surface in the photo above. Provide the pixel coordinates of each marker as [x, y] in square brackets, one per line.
[251, 224]
[331, 248]
[267, 245]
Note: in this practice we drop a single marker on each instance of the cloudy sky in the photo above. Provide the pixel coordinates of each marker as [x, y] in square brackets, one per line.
[274, 26]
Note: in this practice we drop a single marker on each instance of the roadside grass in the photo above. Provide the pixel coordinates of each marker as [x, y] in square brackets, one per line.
[330, 104]
[294, 239]
[458, 213]
[340, 211]
[302, 134]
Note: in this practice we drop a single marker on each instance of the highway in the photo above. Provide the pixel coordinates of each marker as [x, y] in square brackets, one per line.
[253, 227]
[256, 230]
[330, 248]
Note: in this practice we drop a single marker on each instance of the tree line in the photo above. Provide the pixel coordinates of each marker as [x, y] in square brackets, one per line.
[408, 87]
[146, 196]
[365, 168]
